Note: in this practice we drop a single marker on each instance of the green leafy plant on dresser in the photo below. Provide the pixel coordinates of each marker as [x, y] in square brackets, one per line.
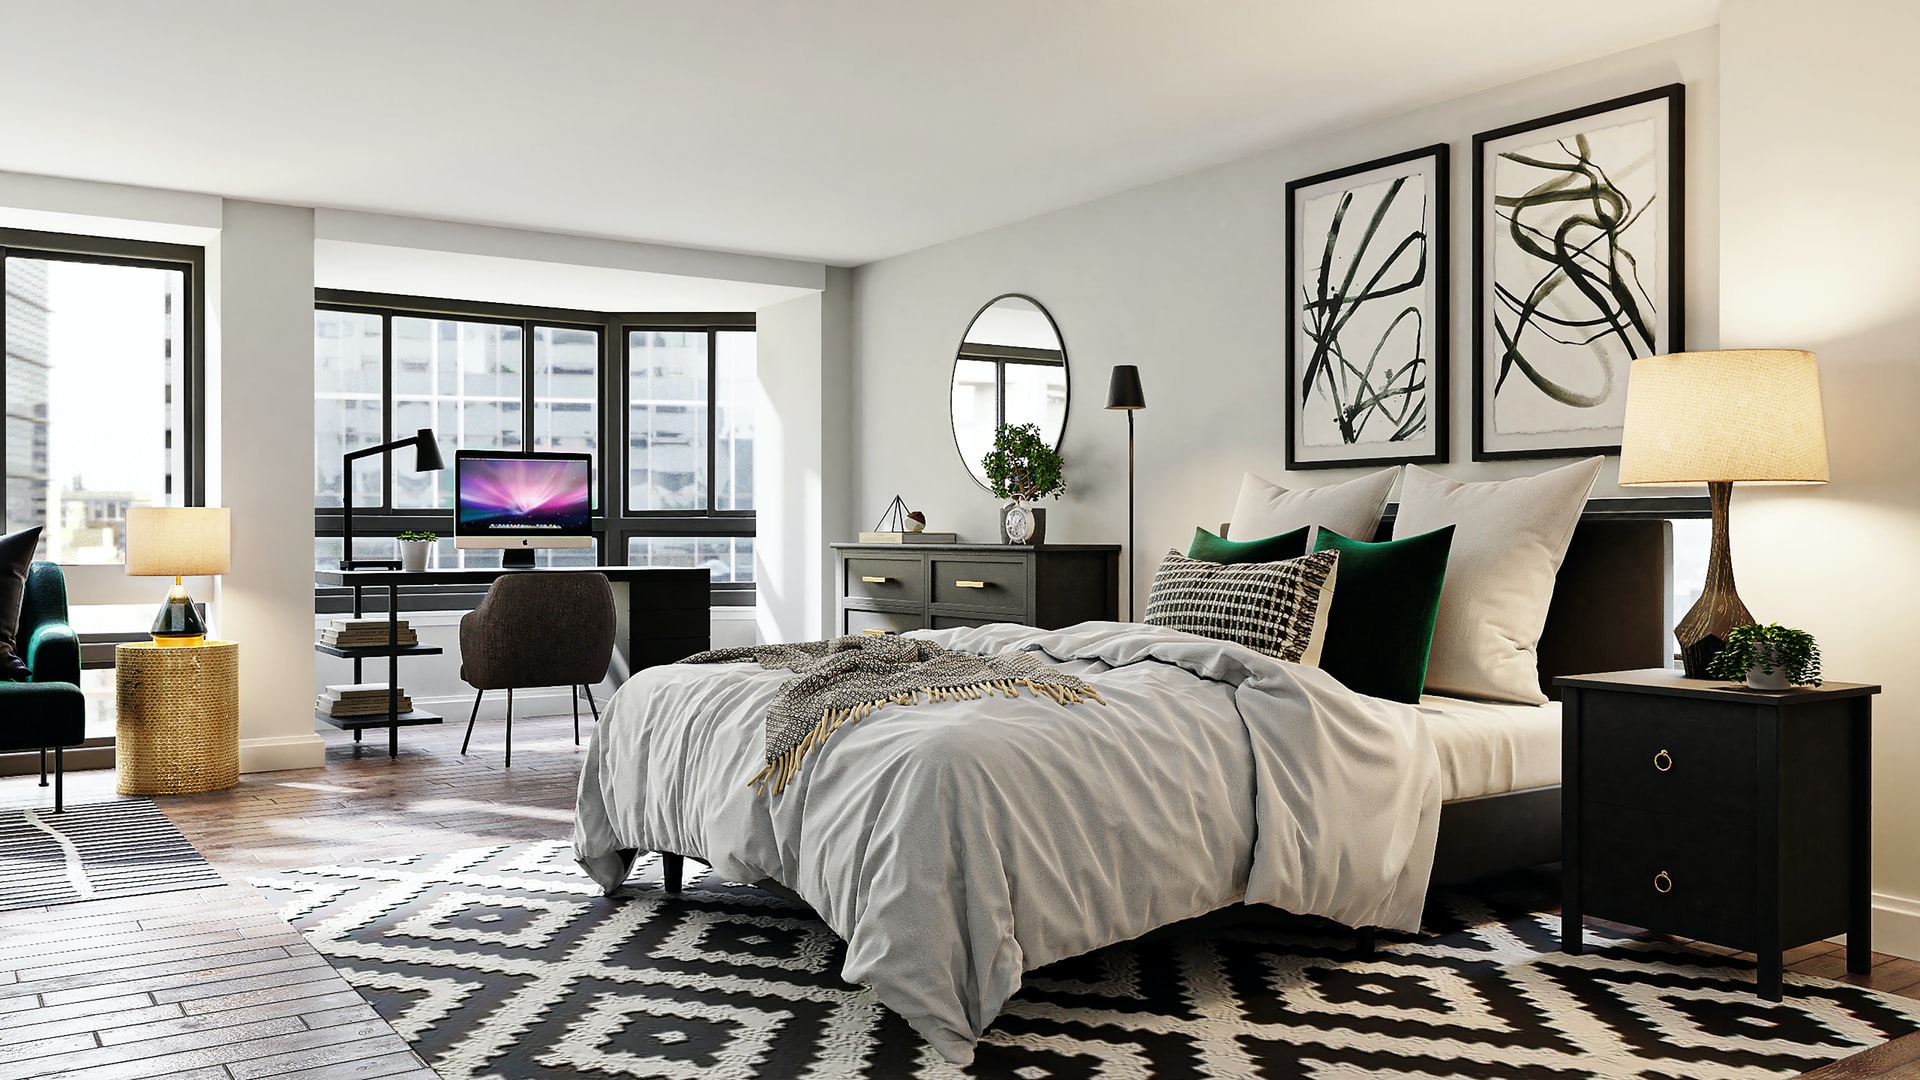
[1770, 657]
[1022, 467]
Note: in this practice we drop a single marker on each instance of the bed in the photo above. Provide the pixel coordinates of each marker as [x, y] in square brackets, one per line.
[953, 857]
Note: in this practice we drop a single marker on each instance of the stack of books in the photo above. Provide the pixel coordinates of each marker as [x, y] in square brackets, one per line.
[364, 633]
[358, 699]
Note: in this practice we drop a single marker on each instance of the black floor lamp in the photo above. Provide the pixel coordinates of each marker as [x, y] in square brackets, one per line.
[1124, 393]
[426, 458]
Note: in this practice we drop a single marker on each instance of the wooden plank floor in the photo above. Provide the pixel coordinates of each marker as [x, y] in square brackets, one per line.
[209, 984]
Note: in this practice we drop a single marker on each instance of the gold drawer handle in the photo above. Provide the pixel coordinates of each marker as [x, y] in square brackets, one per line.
[969, 584]
[1662, 883]
[875, 580]
[1662, 761]
[875, 633]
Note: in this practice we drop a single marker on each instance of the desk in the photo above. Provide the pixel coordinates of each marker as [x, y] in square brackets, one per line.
[669, 618]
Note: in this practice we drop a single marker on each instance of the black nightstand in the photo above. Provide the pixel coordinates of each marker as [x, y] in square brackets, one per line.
[1706, 810]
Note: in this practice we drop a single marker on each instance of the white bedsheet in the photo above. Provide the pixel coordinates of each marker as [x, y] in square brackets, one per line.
[1489, 748]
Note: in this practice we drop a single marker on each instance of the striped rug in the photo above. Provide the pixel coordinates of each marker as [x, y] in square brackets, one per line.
[124, 848]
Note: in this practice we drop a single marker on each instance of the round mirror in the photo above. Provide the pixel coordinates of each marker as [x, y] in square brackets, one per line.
[1011, 369]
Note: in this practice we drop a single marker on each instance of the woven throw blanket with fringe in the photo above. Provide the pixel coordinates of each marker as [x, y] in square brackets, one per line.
[843, 680]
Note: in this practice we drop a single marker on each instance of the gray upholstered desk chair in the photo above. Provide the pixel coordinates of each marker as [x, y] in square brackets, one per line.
[538, 629]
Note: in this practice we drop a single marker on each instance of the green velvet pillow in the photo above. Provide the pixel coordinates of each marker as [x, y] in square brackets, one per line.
[1380, 625]
[1207, 547]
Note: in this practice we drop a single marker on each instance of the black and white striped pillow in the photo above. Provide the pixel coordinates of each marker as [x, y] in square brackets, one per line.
[1278, 608]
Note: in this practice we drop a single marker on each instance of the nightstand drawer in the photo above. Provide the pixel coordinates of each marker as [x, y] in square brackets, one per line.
[886, 579]
[883, 622]
[986, 585]
[1646, 869]
[1677, 756]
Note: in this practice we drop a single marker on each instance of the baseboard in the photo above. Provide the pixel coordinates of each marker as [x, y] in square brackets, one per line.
[282, 752]
[1896, 925]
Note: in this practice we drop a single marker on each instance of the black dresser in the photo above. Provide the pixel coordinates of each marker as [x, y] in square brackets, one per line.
[887, 588]
[1705, 810]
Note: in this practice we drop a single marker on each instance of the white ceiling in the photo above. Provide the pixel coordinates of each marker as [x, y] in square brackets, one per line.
[830, 130]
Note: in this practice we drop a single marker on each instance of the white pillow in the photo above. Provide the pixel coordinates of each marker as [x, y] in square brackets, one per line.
[1509, 537]
[1351, 509]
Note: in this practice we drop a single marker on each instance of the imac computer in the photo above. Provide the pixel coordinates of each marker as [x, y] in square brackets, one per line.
[520, 502]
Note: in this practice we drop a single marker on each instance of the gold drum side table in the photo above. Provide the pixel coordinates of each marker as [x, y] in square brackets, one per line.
[178, 729]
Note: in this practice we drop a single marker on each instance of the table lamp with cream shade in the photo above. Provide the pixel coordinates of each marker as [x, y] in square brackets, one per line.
[178, 542]
[1749, 416]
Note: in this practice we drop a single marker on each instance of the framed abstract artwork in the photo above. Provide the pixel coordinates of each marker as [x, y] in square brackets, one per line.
[1578, 270]
[1367, 313]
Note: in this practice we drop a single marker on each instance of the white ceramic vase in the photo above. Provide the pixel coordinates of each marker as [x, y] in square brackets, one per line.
[414, 553]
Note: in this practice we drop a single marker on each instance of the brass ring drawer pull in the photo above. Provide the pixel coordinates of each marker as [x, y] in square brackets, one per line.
[875, 580]
[1662, 883]
[875, 633]
[969, 584]
[1662, 761]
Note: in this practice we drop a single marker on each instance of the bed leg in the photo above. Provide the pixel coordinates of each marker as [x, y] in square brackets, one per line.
[670, 868]
[1366, 941]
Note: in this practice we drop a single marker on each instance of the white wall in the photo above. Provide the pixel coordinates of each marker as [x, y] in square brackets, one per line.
[1186, 279]
[1818, 253]
[260, 461]
[802, 458]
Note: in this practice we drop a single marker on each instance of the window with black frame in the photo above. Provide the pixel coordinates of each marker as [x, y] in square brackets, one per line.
[664, 403]
[103, 393]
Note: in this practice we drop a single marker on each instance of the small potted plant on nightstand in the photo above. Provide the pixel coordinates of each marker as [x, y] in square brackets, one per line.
[1770, 657]
[1023, 468]
[414, 547]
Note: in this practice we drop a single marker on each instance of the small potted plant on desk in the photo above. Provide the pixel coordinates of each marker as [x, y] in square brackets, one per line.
[414, 547]
[1023, 468]
[1770, 657]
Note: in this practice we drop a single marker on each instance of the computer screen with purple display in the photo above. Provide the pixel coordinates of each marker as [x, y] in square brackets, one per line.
[522, 501]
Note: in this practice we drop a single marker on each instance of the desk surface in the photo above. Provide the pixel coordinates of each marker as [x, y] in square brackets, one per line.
[485, 575]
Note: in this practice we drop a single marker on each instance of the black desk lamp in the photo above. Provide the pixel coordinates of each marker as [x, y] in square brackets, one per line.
[426, 458]
[1124, 393]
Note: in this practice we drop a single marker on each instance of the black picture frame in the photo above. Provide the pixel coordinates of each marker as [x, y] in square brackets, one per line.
[1667, 104]
[1433, 165]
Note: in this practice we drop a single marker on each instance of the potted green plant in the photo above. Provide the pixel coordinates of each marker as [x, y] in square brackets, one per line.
[1023, 468]
[414, 547]
[1770, 657]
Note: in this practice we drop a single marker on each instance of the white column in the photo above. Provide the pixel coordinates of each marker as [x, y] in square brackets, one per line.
[260, 465]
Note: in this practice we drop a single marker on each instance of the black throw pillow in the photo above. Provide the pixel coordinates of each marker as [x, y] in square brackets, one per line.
[16, 556]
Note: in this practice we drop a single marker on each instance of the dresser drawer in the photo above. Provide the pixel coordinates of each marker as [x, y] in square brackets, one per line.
[1677, 756]
[880, 578]
[998, 585]
[883, 622]
[1644, 868]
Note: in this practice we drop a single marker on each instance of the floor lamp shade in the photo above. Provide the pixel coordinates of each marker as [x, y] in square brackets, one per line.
[1749, 416]
[177, 542]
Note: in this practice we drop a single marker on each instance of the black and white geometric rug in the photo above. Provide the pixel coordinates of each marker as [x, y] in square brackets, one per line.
[507, 962]
[92, 852]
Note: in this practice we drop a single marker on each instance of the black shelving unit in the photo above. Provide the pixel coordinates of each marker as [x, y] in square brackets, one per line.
[393, 719]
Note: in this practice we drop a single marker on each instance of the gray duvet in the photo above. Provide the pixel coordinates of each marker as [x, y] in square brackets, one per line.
[955, 846]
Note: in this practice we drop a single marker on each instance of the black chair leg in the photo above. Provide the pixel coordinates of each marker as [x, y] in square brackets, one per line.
[478, 694]
[59, 780]
[591, 705]
[670, 868]
[575, 694]
[509, 727]
[43, 766]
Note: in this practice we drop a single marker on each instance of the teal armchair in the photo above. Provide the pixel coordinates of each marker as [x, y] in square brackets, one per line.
[48, 711]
